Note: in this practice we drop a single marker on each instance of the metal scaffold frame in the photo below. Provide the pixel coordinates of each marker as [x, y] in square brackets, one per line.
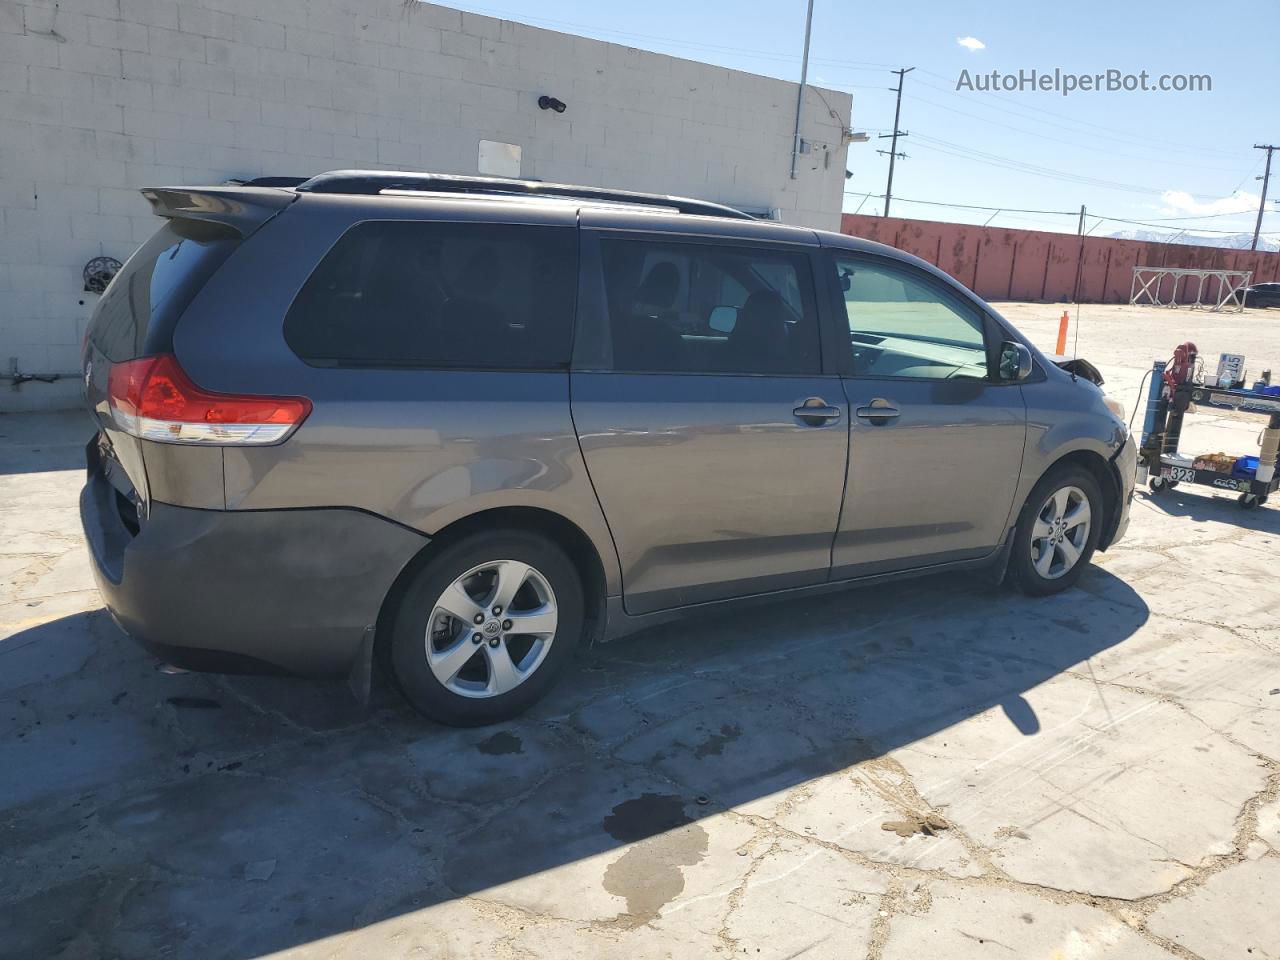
[1229, 295]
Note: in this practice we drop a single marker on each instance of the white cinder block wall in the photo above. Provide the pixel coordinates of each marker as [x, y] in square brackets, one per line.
[99, 98]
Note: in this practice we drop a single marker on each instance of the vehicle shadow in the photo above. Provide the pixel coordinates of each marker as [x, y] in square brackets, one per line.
[148, 815]
[1201, 505]
[43, 442]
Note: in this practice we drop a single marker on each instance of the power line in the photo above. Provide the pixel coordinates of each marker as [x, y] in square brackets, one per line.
[966, 206]
[1050, 213]
[1070, 143]
[1199, 216]
[1158, 226]
[991, 159]
[1039, 170]
[1115, 132]
[1245, 178]
[979, 156]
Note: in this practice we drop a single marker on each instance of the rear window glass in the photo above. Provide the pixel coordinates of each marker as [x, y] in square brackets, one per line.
[409, 293]
[139, 309]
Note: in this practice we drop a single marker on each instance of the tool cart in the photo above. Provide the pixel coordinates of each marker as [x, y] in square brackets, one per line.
[1176, 386]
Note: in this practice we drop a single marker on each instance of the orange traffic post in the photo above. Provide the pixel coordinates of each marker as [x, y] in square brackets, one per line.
[1062, 335]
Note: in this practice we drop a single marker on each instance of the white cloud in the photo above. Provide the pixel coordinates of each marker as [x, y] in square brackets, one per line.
[972, 44]
[1179, 201]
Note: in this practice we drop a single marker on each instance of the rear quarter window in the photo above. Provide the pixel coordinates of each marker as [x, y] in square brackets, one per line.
[138, 311]
[412, 293]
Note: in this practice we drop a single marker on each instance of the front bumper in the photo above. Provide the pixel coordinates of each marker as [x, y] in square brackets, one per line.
[241, 590]
[1125, 464]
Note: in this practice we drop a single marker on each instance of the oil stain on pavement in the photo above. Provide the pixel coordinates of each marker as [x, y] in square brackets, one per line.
[648, 875]
[500, 744]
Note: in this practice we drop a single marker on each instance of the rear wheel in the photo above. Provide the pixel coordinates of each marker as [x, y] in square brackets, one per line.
[1057, 531]
[483, 631]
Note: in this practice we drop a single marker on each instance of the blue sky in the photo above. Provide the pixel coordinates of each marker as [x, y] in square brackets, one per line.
[1147, 156]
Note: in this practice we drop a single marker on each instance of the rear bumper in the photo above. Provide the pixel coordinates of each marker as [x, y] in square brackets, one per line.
[245, 591]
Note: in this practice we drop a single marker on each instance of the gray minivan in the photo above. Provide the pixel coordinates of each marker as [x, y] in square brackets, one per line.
[462, 425]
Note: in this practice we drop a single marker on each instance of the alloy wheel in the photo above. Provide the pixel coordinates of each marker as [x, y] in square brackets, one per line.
[491, 629]
[1060, 532]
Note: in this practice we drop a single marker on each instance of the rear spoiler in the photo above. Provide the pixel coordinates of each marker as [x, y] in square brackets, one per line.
[243, 209]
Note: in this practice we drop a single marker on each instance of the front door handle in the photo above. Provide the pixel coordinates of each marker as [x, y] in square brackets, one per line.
[878, 411]
[815, 412]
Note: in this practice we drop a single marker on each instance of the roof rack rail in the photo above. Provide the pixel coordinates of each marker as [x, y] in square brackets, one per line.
[374, 182]
[266, 181]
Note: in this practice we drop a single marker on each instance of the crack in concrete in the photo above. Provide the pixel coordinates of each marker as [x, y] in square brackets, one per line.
[736, 895]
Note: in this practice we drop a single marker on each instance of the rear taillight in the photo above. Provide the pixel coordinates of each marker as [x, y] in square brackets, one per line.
[153, 399]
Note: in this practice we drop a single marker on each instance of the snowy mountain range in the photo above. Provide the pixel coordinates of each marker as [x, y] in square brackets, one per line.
[1232, 241]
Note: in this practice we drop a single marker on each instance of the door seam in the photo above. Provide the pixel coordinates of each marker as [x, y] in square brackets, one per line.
[844, 487]
[613, 540]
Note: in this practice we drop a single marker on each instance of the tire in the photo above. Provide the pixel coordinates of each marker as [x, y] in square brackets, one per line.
[429, 644]
[1027, 568]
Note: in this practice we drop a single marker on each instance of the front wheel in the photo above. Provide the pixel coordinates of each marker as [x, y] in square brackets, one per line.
[1057, 531]
[486, 627]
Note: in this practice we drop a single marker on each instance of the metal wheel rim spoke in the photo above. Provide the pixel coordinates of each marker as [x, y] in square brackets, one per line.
[445, 664]
[491, 629]
[503, 675]
[1060, 500]
[458, 602]
[512, 575]
[1078, 514]
[1059, 532]
[536, 623]
[1045, 560]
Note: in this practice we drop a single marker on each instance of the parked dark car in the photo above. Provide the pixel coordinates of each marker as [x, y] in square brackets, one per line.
[461, 426]
[1262, 295]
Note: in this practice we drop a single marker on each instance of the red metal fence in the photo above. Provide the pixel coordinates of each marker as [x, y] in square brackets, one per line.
[998, 263]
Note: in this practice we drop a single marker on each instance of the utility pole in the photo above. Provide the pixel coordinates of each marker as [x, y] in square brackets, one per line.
[893, 147]
[804, 76]
[1262, 204]
[1075, 295]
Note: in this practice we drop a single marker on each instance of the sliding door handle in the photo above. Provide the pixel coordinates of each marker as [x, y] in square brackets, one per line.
[815, 412]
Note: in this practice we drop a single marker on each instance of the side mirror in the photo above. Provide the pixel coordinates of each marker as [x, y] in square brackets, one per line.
[723, 319]
[1015, 362]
